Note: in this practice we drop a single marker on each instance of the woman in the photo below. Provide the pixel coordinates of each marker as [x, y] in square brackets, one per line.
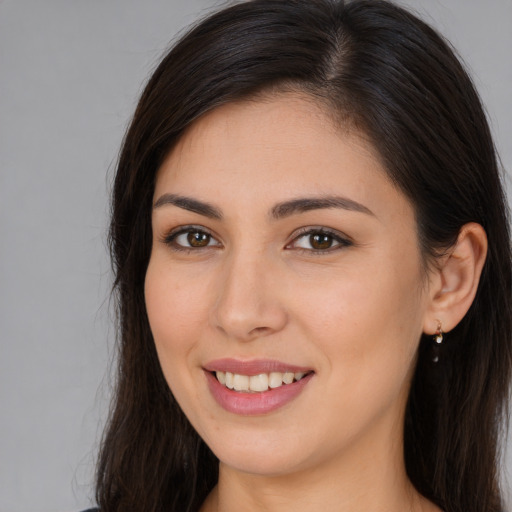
[313, 271]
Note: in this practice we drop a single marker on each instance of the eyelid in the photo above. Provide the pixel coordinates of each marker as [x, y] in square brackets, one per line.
[341, 239]
[171, 236]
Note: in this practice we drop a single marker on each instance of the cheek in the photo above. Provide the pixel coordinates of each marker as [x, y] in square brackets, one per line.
[368, 340]
[367, 323]
[366, 299]
[176, 312]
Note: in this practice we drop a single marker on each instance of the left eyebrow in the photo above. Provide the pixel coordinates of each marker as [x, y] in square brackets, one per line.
[306, 204]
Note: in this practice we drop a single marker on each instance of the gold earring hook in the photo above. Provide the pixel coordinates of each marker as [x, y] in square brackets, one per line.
[438, 336]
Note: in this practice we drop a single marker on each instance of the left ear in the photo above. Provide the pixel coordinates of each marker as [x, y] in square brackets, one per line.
[454, 283]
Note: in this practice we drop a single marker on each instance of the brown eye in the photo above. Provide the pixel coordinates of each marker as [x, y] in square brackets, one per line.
[198, 239]
[191, 238]
[321, 241]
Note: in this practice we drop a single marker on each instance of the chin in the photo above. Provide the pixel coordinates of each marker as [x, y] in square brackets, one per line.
[265, 466]
[269, 455]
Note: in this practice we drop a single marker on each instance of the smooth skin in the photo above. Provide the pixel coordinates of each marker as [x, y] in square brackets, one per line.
[341, 289]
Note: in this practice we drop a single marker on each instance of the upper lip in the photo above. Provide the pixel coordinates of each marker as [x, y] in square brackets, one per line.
[253, 366]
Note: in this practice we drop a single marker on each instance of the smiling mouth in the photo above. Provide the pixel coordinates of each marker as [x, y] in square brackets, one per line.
[258, 383]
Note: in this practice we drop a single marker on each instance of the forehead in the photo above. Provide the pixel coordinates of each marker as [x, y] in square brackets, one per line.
[262, 114]
[272, 149]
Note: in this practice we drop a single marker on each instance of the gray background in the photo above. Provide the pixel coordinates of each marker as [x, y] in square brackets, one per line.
[70, 74]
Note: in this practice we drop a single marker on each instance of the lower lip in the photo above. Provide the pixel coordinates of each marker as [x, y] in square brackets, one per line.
[254, 403]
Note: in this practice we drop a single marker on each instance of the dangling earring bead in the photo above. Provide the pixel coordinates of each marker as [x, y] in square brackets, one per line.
[438, 339]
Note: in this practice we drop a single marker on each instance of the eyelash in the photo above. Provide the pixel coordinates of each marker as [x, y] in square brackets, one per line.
[170, 239]
[340, 241]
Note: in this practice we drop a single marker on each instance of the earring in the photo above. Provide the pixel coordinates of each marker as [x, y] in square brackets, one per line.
[438, 339]
[438, 336]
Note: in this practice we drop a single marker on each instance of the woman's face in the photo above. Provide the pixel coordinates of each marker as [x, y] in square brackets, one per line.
[281, 248]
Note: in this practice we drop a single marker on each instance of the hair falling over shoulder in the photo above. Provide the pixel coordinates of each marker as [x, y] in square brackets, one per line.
[374, 64]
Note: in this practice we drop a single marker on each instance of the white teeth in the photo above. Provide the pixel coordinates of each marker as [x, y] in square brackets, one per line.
[275, 380]
[240, 382]
[257, 383]
[288, 377]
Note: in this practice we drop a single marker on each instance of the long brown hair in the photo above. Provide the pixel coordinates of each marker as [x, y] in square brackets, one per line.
[370, 63]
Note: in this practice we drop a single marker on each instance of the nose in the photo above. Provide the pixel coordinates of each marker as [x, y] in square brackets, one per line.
[249, 304]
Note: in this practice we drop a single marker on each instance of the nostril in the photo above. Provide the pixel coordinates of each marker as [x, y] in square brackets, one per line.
[260, 330]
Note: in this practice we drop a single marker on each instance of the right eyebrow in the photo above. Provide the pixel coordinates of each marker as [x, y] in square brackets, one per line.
[187, 203]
